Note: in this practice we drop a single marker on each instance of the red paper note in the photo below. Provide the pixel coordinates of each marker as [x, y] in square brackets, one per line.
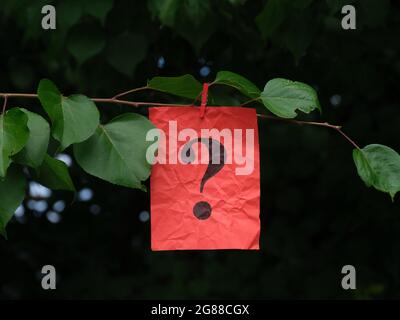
[205, 184]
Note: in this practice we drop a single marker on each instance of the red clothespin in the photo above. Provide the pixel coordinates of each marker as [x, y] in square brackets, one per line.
[204, 97]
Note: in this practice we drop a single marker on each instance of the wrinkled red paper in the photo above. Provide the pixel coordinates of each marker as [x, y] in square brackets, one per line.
[175, 188]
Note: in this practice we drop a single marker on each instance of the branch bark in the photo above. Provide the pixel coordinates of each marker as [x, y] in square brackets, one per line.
[312, 123]
[115, 100]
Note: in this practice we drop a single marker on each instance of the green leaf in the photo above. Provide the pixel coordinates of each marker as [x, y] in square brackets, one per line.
[22, 75]
[336, 5]
[68, 14]
[14, 134]
[283, 97]
[379, 167]
[166, 10]
[196, 22]
[270, 18]
[84, 41]
[184, 86]
[301, 4]
[117, 151]
[196, 11]
[35, 149]
[99, 10]
[12, 193]
[74, 118]
[126, 51]
[239, 82]
[53, 173]
[298, 36]
[192, 19]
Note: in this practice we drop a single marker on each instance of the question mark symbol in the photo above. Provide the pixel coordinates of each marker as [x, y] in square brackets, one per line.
[216, 161]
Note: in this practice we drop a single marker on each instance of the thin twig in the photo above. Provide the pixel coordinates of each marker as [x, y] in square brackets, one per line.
[300, 122]
[348, 139]
[250, 101]
[19, 95]
[4, 104]
[312, 123]
[195, 99]
[129, 91]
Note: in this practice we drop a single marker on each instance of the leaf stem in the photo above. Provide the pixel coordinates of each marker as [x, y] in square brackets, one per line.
[348, 139]
[129, 91]
[4, 103]
[250, 101]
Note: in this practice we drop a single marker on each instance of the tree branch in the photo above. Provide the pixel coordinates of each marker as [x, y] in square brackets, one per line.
[312, 123]
[114, 100]
[137, 103]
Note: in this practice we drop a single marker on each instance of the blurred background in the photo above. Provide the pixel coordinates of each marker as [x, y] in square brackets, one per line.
[316, 214]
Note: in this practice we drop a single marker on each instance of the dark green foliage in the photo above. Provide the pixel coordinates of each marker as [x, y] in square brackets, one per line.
[316, 214]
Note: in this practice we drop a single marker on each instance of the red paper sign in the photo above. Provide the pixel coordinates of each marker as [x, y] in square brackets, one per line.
[205, 184]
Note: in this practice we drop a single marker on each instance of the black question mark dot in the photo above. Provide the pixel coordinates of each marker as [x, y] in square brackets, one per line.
[202, 210]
